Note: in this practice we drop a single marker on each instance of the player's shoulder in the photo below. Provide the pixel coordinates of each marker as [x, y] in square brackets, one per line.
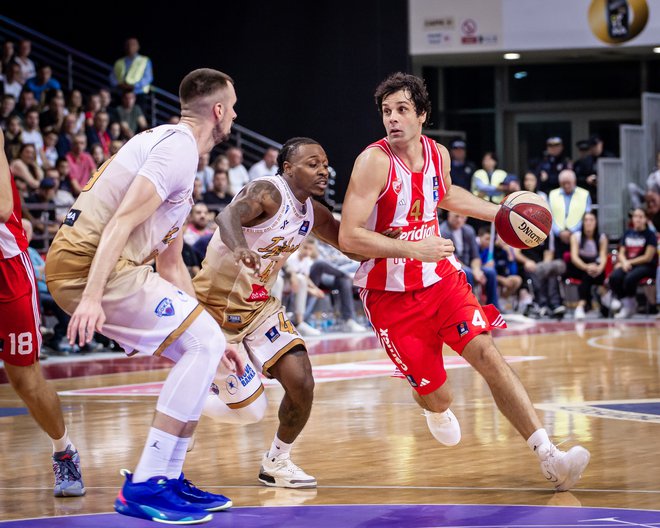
[373, 156]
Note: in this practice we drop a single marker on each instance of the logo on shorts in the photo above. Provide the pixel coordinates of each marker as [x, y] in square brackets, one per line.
[383, 334]
[71, 217]
[424, 382]
[248, 376]
[259, 293]
[165, 308]
[235, 319]
[462, 328]
[304, 228]
[272, 334]
[411, 380]
[231, 384]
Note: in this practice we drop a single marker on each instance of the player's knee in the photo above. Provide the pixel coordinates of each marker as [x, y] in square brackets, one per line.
[210, 337]
[26, 381]
[254, 412]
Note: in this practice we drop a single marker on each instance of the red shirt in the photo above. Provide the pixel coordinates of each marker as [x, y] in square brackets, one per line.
[82, 167]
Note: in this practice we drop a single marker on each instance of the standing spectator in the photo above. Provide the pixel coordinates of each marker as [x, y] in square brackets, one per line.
[489, 182]
[267, 166]
[22, 58]
[568, 203]
[218, 196]
[42, 82]
[553, 162]
[12, 80]
[130, 116]
[586, 170]
[205, 172]
[587, 262]
[461, 168]
[464, 238]
[81, 164]
[133, 72]
[637, 260]
[98, 133]
[198, 224]
[238, 174]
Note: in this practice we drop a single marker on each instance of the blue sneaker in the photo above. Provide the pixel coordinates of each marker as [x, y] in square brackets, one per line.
[203, 499]
[155, 500]
[68, 480]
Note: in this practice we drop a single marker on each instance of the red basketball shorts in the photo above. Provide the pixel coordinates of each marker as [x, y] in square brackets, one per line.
[20, 337]
[412, 326]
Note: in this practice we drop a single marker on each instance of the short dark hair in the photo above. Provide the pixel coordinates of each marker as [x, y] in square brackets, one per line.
[202, 82]
[290, 148]
[415, 86]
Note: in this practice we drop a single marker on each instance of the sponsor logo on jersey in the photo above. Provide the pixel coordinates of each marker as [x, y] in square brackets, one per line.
[420, 232]
[274, 250]
[411, 380]
[383, 334]
[436, 195]
[304, 228]
[231, 384]
[258, 294]
[165, 308]
[169, 236]
[436, 183]
[396, 185]
[462, 328]
[235, 319]
[247, 377]
[71, 217]
[272, 334]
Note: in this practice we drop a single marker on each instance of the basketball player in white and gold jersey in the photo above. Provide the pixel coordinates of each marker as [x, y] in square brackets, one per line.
[131, 212]
[258, 231]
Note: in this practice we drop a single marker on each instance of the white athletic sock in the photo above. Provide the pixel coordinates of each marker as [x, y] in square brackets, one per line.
[538, 439]
[175, 466]
[278, 448]
[156, 456]
[60, 444]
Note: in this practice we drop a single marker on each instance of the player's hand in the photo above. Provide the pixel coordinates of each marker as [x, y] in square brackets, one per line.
[232, 361]
[392, 232]
[249, 258]
[86, 319]
[432, 249]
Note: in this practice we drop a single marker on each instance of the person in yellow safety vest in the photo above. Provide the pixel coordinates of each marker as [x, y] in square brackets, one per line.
[568, 203]
[491, 183]
[133, 72]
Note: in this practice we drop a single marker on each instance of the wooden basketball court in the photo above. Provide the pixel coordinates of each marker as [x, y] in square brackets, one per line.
[596, 383]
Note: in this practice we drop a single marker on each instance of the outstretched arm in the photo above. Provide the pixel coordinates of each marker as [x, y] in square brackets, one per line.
[460, 201]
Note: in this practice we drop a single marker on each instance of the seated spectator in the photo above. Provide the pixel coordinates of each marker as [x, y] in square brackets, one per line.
[190, 260]
[12, 81]
[198, 224]
[198, 191]
[22, 58]
[218, 196]
[49, 155]
[489, 182]
[587, 262]
[467, 252]
[64, 175]
[205, 172]
[325, 275]
[502, 259]
[41, 208]
[637, 194]
[542, 271]
[267, 166]
[636, 260]
[7, 107]
[52, 117]
[13, 137]
[63, 199]
[42, 82]
[98, 132]
[93, 106]
[238, 174]
[76, 108]
[32, 132]
[81, 164]
[96, 151]
[531, 184]
[26, 170]
[66, 136]
[26, 101]
[131, 117]
[298, 267]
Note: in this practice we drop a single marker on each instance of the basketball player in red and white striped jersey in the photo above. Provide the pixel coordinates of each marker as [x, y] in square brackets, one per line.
[20, 337]
[413, 290]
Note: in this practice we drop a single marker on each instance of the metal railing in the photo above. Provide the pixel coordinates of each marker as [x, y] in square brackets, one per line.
[75, 69]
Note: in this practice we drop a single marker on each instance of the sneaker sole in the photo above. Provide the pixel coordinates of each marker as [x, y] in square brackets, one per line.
[69, 493]
[225, 506]
[276, 482]
[132, 509]
[582, 459]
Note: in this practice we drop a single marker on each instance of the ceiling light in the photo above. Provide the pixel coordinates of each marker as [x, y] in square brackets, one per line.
[511, 56]
[656, 50]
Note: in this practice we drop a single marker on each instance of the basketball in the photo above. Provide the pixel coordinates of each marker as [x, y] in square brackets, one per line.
[524, 220]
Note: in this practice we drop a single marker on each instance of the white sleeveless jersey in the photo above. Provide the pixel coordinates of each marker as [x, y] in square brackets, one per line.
[167, 155]
[232, 293]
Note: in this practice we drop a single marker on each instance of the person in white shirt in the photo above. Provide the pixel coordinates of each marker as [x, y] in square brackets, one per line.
[238, 174]
[266, 167]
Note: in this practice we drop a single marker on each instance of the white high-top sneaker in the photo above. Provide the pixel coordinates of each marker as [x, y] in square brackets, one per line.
[444, 427]
[563, 468]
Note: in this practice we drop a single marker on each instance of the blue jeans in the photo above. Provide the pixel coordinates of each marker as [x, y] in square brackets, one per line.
[491, 284]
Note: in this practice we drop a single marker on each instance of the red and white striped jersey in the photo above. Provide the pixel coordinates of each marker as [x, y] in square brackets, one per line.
[12, 235]
[409, 201]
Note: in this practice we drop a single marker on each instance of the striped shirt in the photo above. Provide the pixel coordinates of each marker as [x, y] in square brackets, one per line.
[12, 236]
